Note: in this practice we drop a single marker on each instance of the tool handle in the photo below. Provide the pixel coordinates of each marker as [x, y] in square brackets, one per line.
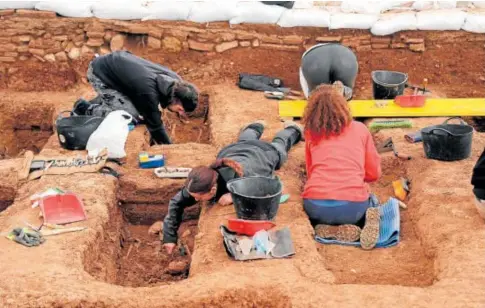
[402, 156]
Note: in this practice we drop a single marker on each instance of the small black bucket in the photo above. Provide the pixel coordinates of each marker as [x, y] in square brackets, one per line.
[448, 142]
[74, 131]
[256, 198]
[387, 84]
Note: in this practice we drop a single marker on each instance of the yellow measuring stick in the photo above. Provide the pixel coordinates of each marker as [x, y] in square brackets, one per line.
[434, 107]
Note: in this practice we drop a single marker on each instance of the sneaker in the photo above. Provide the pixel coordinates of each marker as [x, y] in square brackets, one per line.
[344, 233]
[370, 232]
[295, 126]
[80, 107]
[258, 122]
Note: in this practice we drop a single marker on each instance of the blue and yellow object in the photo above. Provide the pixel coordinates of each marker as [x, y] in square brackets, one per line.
[147, 161]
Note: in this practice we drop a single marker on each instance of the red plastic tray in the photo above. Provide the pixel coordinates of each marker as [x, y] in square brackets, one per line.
[409, 101]
[249, 227]
[62, 209]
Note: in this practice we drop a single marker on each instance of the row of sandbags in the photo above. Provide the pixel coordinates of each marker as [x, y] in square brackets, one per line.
[417, 15]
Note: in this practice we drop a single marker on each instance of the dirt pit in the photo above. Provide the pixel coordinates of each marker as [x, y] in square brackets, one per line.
[196, 128]
[407, 264]
[130, 252]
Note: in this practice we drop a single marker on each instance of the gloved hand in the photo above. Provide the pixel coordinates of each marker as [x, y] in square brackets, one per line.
[26, 237]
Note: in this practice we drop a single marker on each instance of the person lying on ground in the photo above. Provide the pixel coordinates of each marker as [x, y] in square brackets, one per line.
[328, 63]
[124, 81]
[249, 156]
[341, 159]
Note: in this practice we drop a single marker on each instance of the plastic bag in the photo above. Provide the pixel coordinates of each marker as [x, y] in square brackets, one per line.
[392, 23]
[257, 13]
[68, 9]
[111, 134]
[213, 11]
[125, 10]
[440, 20]
[4, 5]
[352, 21]
[474, 23]
[169, 10]
[305, 18]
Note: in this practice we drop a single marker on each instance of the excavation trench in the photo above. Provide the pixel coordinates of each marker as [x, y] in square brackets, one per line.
[127, 254]
[410, 263]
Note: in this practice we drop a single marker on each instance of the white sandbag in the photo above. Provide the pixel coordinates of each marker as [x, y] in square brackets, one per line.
[352, 21]
[303, 5]
[429, 5]
[440, 20]
[6, 5]
[474, 23]
[111, 134]
[169, 10]
[479, 4]
[213, 11]
[369, 7]
[392, 23]
[123, 10]
[69, 9]
[257, 13]
[305, 18]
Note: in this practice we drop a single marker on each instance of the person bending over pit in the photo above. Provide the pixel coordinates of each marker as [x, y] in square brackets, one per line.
[249, 156]
[328, 64]
[124, 81]
[341, 159]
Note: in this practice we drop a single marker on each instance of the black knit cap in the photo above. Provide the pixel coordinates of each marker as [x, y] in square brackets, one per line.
[188, 95]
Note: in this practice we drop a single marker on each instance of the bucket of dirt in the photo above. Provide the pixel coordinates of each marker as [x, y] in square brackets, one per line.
[388, 84]
[256, 198]
[448, 142]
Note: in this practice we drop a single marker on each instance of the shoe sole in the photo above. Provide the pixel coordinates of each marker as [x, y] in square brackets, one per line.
[343, 233]
[370, 232]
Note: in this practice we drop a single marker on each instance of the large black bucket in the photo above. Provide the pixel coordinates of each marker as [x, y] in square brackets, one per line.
[448, 142]
[388, 84]
[74, 131]
[256, 198]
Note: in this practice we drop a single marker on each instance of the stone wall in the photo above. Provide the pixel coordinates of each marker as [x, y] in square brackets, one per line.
[45, 37]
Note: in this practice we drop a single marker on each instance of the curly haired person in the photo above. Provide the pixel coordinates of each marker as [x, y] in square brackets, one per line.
[341, 159]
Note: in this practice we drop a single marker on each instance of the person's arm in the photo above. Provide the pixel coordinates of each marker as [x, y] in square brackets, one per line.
[173, 219]
[372, 161]
[148, 108]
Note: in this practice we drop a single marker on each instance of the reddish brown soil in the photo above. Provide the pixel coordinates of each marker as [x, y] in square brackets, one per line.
[439, 261]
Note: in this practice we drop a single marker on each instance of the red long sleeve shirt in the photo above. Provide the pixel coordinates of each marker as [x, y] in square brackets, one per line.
[339, 167]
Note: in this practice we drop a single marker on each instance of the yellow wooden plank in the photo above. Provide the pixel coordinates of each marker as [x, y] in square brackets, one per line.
[434, 107]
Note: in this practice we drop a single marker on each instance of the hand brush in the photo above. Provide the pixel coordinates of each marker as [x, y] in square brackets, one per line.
[384, 124]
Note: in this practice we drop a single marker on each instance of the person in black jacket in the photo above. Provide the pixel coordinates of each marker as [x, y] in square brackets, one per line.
[329, 63]
[127, 82]
[249, 156]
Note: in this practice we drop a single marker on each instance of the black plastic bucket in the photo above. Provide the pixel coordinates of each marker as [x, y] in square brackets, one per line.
[448, 142]
[74, 131]
[388, 84]
[256, 198]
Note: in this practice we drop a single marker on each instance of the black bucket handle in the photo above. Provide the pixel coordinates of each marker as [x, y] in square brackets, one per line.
[459, 118]
[444, 130]
[60, 117]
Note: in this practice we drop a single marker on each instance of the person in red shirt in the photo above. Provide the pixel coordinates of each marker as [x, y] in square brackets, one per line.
[341, 159]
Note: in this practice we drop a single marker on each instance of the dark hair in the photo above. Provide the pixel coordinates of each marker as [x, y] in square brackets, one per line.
[201, 179]
[187, 94]
[326, 113]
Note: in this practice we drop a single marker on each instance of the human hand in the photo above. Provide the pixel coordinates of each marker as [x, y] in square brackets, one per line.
[169, 247]
[226, 199]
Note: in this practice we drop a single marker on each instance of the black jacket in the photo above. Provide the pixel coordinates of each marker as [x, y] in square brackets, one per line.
[478, 177]
[146, 84]
[256, 158]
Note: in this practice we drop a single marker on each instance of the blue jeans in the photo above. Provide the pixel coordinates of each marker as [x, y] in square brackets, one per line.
[338, 212]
